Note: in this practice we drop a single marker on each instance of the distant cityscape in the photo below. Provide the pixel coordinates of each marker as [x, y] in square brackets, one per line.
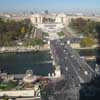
[50, 54]
[74, 11]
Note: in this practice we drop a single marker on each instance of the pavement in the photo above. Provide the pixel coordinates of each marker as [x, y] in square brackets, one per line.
[74, 69]
[18, 93]
[36, 98]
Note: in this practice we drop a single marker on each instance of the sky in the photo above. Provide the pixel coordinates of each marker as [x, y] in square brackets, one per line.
[52, 5]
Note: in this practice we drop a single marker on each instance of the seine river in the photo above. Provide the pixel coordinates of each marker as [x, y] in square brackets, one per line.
[89, 52]
[18, 63]
[39, 62]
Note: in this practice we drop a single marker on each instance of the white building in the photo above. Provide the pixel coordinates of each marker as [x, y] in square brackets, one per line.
[36, 18]
[61, 18]
[55, 18]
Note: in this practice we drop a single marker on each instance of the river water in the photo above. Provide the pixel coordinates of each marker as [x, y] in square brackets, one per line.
[18, 63]
[89, 52]
[39, 62]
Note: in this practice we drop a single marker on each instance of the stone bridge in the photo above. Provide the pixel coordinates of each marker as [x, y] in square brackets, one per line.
[75, 70]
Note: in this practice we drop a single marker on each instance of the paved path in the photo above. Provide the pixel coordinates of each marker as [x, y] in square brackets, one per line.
[17, 93]
[22, 49]
[34, 98]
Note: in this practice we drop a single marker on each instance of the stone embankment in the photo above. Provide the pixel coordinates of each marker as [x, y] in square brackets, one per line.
[23, 49]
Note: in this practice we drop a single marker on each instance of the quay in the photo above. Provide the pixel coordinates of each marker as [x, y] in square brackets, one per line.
[18, 93]
[23, 48]
[89, 58]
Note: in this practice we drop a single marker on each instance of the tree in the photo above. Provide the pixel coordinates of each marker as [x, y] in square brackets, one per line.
[38, 42]
[23, 30]
[61, 33]
[78, 24]
[89, 28]
[46, 34]
[34, 42]
[5, 97]
[87, 42]
[97, 28]
[11, 30]
[82, 26]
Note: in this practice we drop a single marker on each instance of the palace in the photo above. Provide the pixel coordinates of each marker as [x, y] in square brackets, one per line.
[60, 18]
[49, 18]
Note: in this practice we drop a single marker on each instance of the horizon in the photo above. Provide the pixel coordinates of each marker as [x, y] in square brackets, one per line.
[50, 5]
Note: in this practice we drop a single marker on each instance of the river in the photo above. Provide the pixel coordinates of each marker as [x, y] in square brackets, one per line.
[90, 53]
[39, 62]
[18, 63]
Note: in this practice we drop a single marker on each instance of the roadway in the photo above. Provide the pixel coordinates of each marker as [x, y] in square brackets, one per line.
[74, 69]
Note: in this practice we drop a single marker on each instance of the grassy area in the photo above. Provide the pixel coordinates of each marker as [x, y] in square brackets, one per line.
[60, 34]
[45, 34]
[34, 42]
[7, 86]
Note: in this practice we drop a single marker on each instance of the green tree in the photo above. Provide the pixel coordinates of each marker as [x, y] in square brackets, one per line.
[11, 30]
[87, 42]
[23, 30]
[61, 33]
[5, 97]
[82, 26]
[46, 34]
[97, 29]
[89, 28]
[78, 24]
[37, 42]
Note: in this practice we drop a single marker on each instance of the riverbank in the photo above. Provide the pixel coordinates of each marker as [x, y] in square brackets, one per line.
[23, 48]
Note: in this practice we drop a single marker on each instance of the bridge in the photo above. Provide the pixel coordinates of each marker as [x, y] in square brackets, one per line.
[72, 67]
[74, 70]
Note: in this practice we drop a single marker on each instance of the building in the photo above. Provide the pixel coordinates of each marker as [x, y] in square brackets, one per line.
[61, 18]
[36, 18]
[48, 18]
[73, 42]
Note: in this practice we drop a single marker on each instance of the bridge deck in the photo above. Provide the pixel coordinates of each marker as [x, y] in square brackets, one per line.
[74, 69]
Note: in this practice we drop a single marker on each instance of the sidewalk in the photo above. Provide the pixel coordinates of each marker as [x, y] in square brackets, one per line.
[23, 49]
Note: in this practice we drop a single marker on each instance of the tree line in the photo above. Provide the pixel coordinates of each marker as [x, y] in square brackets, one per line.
[89, 29]
[86, 27]
[12, 31]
